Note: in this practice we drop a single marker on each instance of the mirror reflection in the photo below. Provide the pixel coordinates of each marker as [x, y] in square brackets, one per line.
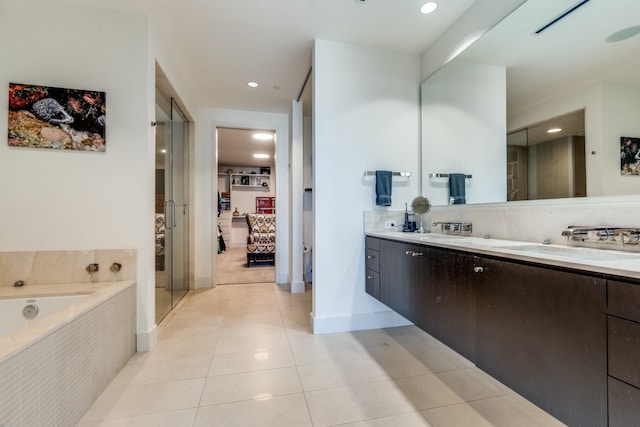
[546, 160]
[512, 80]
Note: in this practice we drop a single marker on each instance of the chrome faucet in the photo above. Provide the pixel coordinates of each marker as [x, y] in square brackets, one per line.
[454, 227]
[583, 233]
[603, 234]
[92, 268]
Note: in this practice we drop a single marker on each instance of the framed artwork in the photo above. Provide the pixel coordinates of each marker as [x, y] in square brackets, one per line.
[57, 118]
[629, 155]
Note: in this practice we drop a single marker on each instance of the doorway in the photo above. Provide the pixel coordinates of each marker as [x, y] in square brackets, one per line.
[171, 222]
[246, 185]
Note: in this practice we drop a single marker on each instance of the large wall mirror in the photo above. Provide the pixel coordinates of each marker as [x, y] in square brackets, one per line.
[580, 74]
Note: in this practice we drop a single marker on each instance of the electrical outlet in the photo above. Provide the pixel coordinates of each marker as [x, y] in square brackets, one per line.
[388, 225]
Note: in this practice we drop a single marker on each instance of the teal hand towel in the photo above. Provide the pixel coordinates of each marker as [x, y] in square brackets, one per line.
[383, 188]
[457, 190]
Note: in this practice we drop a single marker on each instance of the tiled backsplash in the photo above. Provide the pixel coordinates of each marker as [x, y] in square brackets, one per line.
[53, 267]
[526, 221]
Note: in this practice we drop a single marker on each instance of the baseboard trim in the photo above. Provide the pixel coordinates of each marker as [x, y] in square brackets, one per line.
[145, 341]
[357, 322]
[297, 287]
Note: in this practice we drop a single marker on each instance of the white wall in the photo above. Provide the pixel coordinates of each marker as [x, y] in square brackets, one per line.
[464, 131]
[205, 185]
[366, 117]
[54, 200]
[476, 21]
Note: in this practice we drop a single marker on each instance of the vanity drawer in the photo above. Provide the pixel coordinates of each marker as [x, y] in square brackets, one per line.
[372, 243]
[372, 283]
[624, 299]
[624, 350]
[624, 409]
[372, 259]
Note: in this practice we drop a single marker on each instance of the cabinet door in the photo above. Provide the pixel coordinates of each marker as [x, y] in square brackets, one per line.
[543, 333]
[624, 409]
[402, 267]
[447, 300]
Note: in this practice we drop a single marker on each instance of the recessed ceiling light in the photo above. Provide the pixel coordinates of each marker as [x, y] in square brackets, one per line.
[623, 34]
[554, 130]
[252, 84]
[261, 156]
[263, 136]
[428, 7]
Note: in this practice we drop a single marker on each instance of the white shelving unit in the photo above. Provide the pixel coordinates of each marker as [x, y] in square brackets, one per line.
[253, 181]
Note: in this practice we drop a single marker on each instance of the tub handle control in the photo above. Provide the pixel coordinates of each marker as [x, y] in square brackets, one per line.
[30, 311]
[18, 283]
[91, 268]
[115, 267]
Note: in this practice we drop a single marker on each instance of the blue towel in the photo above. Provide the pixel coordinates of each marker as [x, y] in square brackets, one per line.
[383, 188]
[457, 189]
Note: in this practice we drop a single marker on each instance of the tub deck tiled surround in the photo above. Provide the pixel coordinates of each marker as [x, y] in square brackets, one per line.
[242, 355]
[52, 371]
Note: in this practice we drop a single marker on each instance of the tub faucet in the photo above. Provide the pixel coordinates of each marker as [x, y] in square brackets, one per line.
[91, 268]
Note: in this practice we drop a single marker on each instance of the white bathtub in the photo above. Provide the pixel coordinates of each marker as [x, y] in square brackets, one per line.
[55, 367]
[12, 318]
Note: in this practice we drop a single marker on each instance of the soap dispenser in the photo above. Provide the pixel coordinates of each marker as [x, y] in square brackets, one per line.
[409, 221]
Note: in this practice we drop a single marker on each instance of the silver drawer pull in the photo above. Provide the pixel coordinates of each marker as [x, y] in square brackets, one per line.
[408, 252]
[417, 254]
[371, 256]
[370, 277]
[478, 269]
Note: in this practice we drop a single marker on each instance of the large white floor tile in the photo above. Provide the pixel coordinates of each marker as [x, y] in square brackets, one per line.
[250, 386]
[504, 411]
[356, 403]
[234, 363]
[179, 418]
[280, 411]
[163, 371]
[338, 373]
[146, 399]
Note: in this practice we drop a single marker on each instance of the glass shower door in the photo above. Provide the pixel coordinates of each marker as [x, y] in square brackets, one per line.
[172, 265]
[176, 205]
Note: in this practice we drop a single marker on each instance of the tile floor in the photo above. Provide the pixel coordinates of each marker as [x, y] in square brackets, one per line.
[242, 355]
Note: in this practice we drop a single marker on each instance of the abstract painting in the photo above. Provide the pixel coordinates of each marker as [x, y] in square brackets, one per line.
[629, 155]
[58, 118]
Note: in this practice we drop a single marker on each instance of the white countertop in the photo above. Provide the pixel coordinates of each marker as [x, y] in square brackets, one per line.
[606, 261]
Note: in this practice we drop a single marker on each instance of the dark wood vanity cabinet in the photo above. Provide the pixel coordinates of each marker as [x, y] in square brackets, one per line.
[543, 333]
[623, 306]
[433, 288]
[372, 264]
[540, 330]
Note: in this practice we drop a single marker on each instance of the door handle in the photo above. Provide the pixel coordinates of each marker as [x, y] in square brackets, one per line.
[415, 254]
[169, 211]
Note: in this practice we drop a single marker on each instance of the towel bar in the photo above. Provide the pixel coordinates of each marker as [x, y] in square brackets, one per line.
[372, 173]
[446, 175]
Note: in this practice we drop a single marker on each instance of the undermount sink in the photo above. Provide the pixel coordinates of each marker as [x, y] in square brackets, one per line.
[571, 252]
[436, 236]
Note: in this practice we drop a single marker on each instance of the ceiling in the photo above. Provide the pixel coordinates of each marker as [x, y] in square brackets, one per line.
[237, 146]
[217, 46]
[571, 54]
